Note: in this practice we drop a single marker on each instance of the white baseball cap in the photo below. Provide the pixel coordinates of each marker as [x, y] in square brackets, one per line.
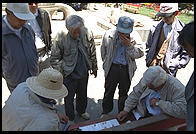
[20, 10]
[167, 9]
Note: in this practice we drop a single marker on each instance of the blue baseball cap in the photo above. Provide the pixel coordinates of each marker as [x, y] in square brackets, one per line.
[125, 25]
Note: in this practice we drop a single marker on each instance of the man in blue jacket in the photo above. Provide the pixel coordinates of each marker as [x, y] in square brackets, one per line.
[162, 46]
[19, 54]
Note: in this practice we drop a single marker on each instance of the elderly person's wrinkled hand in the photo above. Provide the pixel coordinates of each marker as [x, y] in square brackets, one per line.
[122, 115]
[125, 39]
[63, 118]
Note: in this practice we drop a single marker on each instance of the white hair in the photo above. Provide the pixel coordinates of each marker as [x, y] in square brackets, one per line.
[154, 75]
[73, 21]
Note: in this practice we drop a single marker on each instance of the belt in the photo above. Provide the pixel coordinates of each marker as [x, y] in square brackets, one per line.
[119, 65]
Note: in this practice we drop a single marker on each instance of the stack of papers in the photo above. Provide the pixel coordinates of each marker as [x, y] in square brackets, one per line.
[100, 126]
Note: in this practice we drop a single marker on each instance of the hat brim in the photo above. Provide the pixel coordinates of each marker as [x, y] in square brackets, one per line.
[163, 14]
[34, 86]
[28, 16]
[123, 30]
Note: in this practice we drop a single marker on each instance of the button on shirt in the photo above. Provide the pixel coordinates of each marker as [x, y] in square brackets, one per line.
[120, 53]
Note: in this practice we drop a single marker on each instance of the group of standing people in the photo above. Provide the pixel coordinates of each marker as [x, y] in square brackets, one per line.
[28, 56]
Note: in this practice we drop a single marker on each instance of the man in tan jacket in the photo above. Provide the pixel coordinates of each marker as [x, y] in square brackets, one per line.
[156, 93]
[118, 52]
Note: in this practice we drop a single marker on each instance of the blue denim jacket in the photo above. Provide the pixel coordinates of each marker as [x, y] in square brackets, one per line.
[176, 57]
[19, 55]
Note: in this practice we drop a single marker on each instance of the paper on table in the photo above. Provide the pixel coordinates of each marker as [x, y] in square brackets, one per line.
[100, 125]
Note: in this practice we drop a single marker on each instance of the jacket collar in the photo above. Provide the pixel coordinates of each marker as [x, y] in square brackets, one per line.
[7, 30]
[113, 34]
[37, 99]
[178, 25]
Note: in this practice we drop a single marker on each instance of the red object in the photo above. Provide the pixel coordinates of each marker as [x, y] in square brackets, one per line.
[155, 126]
[161, 125]
[178, 13]
[157, 8]
[135, 5]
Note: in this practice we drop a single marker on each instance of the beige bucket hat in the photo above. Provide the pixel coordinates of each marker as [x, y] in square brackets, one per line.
[48, 84]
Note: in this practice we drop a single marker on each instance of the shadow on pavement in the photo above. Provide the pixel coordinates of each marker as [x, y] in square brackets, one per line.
[93, 108]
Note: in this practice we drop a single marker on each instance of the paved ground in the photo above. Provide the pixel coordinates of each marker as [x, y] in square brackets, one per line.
[96, 85]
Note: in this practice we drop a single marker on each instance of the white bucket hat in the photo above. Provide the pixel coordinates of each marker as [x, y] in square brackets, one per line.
[20, 10]
[48, 84]
[167, 9]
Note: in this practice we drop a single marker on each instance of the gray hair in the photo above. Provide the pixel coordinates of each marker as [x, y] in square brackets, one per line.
[154, 75]
[73, 21]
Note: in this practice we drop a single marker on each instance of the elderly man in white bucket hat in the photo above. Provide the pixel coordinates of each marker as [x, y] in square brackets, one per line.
[19, 54]
[119, 49]
[156, 93]
[31, 106]
[162, 47]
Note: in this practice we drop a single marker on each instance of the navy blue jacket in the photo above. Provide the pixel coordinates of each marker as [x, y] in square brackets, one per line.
[19, 55]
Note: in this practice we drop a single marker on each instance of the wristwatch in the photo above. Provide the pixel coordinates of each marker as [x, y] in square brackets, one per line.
[157, 103]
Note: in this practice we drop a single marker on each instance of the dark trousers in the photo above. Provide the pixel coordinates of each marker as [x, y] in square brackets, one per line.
[118, 75]
[78, 87]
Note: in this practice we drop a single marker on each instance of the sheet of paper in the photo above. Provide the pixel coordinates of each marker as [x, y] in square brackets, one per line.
[100, 126]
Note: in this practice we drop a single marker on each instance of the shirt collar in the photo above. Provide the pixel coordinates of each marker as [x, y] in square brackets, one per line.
[10, 27]
[38, 100]
[7, 30]
[171, 25]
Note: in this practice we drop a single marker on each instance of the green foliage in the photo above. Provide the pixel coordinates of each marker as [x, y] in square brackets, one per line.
[146, 11]
[184, 17]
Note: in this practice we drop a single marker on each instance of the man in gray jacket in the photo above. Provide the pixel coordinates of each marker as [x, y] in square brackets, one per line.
[157, 92]
[118, 52]
[19, 54]
[74, 55]
[162, 46]
[31, 106]
[42, 28]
